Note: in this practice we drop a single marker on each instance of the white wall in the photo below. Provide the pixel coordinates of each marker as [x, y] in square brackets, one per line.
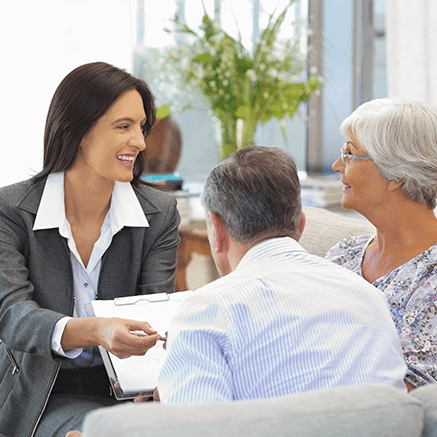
[412, 50]
[41, 41]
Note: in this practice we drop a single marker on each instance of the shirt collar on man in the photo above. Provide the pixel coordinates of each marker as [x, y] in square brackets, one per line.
[269, 249]
[125, 207]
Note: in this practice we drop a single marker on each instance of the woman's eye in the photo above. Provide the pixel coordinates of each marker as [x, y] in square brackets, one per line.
[123, 127]
[144, 128]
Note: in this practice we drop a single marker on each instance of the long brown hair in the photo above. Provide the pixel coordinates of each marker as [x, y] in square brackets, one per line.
[82, 97]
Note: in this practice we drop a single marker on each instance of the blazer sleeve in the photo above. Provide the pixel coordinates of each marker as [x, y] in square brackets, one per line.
[26, 324]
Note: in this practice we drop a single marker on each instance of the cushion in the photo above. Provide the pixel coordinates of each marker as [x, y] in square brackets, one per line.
[428, 396]
[324, 229]
[361, 411]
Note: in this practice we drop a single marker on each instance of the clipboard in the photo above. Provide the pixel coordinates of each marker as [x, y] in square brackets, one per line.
[134, 375]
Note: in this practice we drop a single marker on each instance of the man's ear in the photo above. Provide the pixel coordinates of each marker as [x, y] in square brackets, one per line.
[219, 232]
[302, 223]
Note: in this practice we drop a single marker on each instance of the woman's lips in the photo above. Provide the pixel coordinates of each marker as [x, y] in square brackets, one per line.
[126, 160]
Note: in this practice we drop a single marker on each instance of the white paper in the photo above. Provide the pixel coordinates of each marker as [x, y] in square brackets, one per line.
[141, 373]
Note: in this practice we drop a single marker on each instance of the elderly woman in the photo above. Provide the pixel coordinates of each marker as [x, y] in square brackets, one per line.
[388, 166]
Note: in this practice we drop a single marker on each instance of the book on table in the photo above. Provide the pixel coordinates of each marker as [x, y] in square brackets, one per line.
[136, 375]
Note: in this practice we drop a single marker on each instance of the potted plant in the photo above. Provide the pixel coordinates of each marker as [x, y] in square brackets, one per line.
[242, 88]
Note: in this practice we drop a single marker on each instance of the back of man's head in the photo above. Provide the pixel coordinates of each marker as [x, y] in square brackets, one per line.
[256, 194]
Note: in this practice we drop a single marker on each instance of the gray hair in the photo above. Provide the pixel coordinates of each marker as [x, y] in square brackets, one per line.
[256, 194]
[401, 138]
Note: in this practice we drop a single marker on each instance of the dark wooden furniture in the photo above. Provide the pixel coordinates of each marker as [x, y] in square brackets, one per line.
[194, 239]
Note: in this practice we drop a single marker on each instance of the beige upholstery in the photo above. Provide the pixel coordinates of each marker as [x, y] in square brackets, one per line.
[324, 228]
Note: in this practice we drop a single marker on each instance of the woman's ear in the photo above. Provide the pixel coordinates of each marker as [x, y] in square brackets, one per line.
[394, 185]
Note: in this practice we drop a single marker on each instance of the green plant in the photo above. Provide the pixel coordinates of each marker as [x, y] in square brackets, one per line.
[243, 89]
[162, 111]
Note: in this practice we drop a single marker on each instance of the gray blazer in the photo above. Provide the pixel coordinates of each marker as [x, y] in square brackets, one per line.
[36, 290]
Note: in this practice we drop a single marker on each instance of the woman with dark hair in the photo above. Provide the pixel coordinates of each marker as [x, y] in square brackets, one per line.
[388, 166]
[86, 227]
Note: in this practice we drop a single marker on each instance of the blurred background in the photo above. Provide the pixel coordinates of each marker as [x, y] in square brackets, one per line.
[363, 49]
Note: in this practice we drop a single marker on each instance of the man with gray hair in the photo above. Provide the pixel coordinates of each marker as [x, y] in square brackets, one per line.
[280, 320]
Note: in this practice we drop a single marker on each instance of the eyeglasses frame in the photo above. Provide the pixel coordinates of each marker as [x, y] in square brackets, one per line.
[349, 155]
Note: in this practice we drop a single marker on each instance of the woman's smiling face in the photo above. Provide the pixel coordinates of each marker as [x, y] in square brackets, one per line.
[110, 148]
[363, 186]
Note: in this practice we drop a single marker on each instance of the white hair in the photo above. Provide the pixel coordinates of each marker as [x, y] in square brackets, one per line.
[401, 138]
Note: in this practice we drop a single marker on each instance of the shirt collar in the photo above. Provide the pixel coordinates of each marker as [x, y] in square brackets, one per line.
[270, 249]
[125, 207]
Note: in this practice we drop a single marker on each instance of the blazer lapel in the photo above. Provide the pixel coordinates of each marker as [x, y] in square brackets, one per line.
[32, 197]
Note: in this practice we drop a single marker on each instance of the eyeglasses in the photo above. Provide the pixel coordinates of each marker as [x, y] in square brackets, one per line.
[349, 155]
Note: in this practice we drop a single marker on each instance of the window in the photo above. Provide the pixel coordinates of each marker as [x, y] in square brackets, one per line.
[199, 152]
[55, 36]
[353, 63]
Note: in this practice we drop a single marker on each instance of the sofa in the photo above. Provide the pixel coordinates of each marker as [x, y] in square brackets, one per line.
[374, 410]
[325, 228]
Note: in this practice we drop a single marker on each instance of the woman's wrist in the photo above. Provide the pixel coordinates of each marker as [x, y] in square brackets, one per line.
[80, 333]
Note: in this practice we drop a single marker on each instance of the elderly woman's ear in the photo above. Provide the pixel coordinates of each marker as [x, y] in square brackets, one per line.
[394, 185]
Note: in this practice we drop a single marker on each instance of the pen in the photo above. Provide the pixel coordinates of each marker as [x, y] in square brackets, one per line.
[142, 334]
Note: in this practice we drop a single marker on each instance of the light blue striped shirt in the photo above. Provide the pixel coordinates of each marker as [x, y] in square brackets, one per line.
[283, 322]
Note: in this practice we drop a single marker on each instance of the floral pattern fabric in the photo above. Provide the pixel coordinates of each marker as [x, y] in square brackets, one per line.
[411, 291]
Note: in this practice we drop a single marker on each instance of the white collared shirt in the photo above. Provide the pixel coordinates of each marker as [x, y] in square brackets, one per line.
[125, 210]
[282, 322]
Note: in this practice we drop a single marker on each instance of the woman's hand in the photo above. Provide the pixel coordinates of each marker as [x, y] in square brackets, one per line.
[121, 337]
[125, 338]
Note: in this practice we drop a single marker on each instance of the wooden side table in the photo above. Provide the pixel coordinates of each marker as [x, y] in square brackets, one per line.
[194, 239]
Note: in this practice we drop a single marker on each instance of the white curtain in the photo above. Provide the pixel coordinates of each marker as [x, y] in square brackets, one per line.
[412, 49]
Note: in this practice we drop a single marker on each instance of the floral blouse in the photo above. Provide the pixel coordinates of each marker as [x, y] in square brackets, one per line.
[411, 291]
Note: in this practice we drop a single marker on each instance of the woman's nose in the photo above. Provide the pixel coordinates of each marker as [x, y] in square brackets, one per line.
[338, 165]
[138, 139]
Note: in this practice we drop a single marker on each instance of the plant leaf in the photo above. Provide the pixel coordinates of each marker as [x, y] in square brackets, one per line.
[162, 112]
